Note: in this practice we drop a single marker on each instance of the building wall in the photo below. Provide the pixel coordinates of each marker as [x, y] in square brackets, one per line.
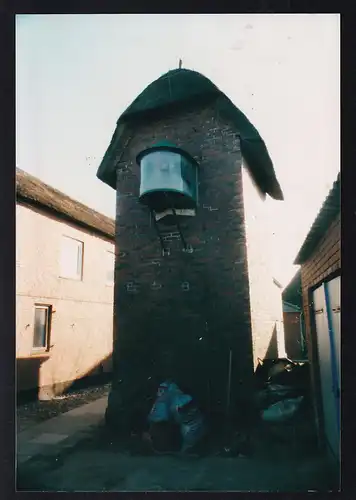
[162, 331]
[265, 296]
[292, 331]
[325, 260]
[81, 329]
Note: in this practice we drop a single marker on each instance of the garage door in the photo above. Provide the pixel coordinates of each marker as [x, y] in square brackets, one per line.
[327, 310]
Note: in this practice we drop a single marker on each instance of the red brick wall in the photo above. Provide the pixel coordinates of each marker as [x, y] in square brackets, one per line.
[325, 260]
[162, 331]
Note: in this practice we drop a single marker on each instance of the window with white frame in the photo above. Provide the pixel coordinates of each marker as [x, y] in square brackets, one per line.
[110, 267]
[41, 327]
[71, 258]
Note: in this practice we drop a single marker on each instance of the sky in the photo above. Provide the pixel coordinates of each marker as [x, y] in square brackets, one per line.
[76, 74]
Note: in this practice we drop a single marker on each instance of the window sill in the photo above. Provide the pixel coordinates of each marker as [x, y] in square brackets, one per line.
[70, 279]
[39, 353]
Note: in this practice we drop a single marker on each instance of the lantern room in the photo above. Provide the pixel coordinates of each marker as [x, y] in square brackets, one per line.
[169, 178]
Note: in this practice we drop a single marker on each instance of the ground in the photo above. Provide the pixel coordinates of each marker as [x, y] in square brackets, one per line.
[35, 412]
[99, 460]
[90, 467]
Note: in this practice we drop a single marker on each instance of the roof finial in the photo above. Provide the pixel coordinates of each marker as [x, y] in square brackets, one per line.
[180, 63]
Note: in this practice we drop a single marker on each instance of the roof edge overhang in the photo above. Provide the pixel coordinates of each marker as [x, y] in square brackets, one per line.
[253, 148]
[29, 202]
[49, 202]
[327, 214]
[293, 307]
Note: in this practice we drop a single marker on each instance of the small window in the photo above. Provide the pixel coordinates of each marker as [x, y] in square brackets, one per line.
[110, 267]
[42, 326]
[72, 258]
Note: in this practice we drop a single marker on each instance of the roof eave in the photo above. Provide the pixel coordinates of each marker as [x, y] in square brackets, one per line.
[328, 212]
[253, 147]
[106, 174]
[33, 192]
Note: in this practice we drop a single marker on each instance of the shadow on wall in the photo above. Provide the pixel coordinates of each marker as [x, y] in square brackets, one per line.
[28, 379]
[100, 373]
[293, 335]
[272, 350]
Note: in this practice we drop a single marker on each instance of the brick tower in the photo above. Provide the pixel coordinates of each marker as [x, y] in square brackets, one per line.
[194, 297]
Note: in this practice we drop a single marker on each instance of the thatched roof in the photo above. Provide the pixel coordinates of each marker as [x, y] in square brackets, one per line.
[181, 86]
[328, 212]
[35, 192]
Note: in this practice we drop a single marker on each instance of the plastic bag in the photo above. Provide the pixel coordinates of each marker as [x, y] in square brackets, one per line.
[192, 424]
[283, 410]
[178, 401]
[173, 405]
[279, 390]
[273, 393]
[169, 396]
[279, 367]
[160, 411]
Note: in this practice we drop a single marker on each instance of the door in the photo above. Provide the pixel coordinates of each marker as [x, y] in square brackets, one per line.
[326, 300]
[335, 310]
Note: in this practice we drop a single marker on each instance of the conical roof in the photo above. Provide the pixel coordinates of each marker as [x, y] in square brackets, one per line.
[183, 86]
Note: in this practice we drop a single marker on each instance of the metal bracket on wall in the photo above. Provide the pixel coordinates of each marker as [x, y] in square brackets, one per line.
[164, 249]
[178, 227]
[177, 222]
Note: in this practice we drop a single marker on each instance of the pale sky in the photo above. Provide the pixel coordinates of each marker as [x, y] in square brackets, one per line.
[75, 75]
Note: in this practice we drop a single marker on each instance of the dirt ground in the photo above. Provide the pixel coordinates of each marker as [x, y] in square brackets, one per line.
[35, 412]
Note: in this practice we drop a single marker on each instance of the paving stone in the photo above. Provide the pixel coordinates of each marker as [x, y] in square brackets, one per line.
[49, 438]
[67, 428]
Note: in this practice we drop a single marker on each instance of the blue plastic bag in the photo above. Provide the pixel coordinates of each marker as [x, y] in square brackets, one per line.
[160, 411]
[173, 405]
[283, 410]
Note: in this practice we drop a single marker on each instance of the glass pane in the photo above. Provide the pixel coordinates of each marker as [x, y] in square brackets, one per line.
[67, 258]
[188, 172]
[189, 178]
[71, 258]
[161, 170]
[40, 333]
[79, 258]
